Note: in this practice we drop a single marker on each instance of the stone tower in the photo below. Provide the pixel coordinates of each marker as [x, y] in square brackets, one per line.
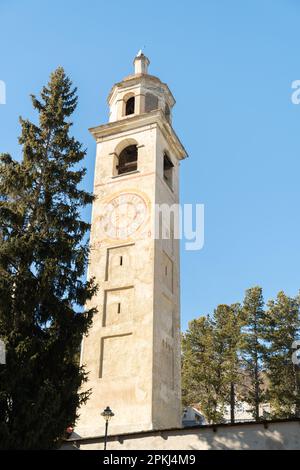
[132, 352]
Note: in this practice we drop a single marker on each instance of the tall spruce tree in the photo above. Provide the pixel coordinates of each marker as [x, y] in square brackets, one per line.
[202, 378]
[43, 257]
[253, 348]
[227, 323]
[282, 329]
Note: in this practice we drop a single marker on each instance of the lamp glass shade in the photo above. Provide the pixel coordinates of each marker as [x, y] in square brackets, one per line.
[107, 414]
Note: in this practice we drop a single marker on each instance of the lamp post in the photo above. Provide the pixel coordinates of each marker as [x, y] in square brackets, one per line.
[107, 415]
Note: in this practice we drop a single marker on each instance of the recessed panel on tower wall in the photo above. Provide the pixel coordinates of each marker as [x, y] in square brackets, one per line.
[117, 356]
[167, 315]
[151, 102]
[167, 365]
[167, 235]
[120, 263]
[118, 306]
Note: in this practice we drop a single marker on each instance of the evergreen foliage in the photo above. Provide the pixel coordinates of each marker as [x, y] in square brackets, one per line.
[243, 353]
[282, 329]
[253, 348]
[43, 259]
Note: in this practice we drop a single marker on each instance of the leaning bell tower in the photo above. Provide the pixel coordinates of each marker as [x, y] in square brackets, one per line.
[132, 351]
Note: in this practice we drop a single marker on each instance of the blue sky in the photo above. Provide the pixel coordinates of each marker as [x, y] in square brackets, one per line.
[230, 65]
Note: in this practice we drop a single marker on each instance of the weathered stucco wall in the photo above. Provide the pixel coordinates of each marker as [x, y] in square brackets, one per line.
[284, 435]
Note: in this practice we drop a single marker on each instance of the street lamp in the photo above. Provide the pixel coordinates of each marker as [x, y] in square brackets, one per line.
[107, 415]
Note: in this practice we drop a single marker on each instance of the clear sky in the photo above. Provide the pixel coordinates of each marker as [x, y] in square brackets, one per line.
[230, 65]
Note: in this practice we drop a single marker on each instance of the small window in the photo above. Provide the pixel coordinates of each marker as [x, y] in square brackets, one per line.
[130, 105]
[128, 160]
[119, 308]
[168, 170]
[121, 260]
[168, 112]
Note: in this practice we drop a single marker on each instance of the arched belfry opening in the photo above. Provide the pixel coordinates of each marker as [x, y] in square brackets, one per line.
[128, 160]
[168, 112]
[130, 106]
[168, 170]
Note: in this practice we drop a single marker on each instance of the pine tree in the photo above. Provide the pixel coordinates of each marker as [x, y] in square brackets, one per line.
[253, 348]
[202, 370]
[43, 258]
[282, 328]
[227, 334]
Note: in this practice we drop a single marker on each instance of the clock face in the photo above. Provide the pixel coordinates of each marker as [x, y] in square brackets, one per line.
[123, 215]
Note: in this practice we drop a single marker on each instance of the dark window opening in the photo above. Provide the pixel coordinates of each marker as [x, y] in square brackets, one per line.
[121, 260]
[168, 170]
[128, 160]
[168, 112]
[130, 105]
[119, 308]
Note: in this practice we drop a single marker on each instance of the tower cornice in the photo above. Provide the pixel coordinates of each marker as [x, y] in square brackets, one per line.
[134, 122]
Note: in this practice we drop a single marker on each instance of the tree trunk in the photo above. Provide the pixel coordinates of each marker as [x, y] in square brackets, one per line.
[232, 403]
[297, 390]
[256, 379]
